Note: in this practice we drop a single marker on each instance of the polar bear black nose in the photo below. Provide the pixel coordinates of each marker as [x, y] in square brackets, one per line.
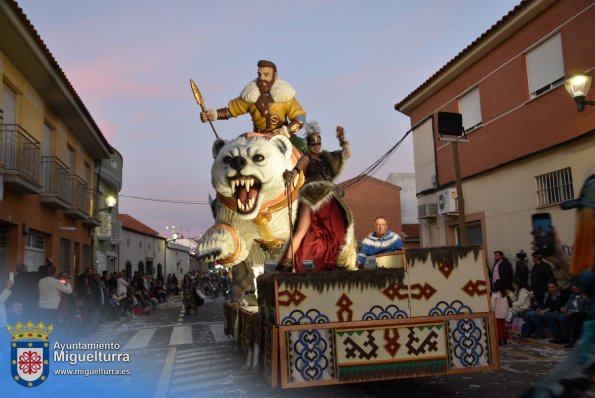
[237, 163]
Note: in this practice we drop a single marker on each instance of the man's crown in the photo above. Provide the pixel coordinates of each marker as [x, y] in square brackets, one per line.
[30, 331]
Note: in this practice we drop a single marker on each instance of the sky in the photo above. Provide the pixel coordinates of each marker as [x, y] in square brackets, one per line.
[349, 61]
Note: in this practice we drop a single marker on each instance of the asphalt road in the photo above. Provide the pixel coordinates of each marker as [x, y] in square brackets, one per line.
[176, 355]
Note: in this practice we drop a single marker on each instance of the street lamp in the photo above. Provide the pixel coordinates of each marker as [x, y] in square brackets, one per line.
[578, 86]
[110, 203]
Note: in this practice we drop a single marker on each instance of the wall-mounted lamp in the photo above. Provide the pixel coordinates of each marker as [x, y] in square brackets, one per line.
[110, 203]
[578, 86]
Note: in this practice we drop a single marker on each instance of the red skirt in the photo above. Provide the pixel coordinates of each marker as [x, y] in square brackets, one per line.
[324, 239]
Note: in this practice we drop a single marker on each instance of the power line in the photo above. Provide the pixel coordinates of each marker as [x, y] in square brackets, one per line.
[183, 202]
[370, 170]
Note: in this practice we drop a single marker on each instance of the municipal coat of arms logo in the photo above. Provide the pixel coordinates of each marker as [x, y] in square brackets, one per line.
[30, 353]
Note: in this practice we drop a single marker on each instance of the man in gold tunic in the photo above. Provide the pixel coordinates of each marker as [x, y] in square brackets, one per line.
[270, 102]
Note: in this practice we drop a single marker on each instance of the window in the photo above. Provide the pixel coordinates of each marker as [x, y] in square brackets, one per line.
[554, 187]
[34, 240]
[545, 66]
[474, 234]
[470, 108]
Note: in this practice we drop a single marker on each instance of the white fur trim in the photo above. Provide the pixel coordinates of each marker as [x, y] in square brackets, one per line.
[281, 91]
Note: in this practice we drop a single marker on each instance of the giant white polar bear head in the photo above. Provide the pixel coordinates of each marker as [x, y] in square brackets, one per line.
[249, 170]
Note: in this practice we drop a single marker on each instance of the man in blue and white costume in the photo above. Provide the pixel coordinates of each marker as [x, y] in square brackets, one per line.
[382, 240]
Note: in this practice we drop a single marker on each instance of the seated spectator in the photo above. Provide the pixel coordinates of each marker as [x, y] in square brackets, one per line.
[569, 321]
[552, 303]
[382, 240]
[521, 297]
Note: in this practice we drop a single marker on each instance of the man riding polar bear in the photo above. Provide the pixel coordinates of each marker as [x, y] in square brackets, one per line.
[251, 213]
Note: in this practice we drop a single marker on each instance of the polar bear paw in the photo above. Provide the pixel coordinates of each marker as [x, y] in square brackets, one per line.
[220, 243]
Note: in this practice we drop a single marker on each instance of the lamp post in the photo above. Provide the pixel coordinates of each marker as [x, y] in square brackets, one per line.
[578, 86]
[110, 202]
[174, 236]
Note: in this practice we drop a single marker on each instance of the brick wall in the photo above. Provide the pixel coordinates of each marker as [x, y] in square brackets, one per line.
[518, 126]
[370, 198]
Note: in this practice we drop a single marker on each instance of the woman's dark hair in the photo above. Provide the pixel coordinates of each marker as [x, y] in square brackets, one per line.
[520, 282]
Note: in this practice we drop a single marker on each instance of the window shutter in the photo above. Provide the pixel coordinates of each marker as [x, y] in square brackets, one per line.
[545, 64]
[470, 108]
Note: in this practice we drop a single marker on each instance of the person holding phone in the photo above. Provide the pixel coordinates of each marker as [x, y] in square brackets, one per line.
[49, 296]
[575, 374]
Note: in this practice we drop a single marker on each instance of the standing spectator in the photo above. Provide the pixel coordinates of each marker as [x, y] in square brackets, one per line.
[500, 307]
[382, 240]
[541, 274]
[501, 270]
[521, 270]
[122, 294]
[22, 305]
[49, 296]
[6, 292]
[552, 303]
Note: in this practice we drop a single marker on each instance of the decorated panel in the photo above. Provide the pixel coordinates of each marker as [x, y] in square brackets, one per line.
[447, 281]
[469, 343]
[309, 356]
[367, 353]
[340, 296]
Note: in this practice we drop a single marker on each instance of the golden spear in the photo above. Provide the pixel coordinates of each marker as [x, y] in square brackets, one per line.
[200, 101]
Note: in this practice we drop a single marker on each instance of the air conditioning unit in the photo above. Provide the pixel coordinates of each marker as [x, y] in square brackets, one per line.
[427, 210]
[447, 201]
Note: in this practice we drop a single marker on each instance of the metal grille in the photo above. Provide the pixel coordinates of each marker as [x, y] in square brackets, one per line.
[554, 187]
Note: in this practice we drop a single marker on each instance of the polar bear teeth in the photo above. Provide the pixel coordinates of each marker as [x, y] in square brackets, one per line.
[247, 183]
[247, 206]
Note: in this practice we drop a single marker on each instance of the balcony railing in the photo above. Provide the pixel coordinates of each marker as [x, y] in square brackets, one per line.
[104, 230]
[20, 153]
[93, 208]
[79, 208]
[57, 189]
[109, 229]
[116, 237]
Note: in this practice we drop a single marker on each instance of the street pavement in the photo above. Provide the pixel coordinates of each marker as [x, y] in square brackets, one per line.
[177, 355]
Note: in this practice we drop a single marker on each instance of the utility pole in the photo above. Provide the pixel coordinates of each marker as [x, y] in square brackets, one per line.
[451, 125]
[460, 199]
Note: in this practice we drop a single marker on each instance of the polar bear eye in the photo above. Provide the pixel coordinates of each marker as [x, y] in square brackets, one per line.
[258, 158]
[227, 159]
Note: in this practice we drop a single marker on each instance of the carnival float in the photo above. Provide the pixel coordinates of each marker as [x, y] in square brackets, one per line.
[419, 312]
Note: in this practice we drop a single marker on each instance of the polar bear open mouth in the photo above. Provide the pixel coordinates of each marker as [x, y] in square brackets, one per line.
[246, 191]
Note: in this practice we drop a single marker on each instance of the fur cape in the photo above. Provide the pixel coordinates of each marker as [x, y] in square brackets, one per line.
[281, 91]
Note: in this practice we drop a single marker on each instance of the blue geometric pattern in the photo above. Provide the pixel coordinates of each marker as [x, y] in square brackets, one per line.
[466, 344]
[456, 307]
[310, 349]
[297, 317]
[377, 313]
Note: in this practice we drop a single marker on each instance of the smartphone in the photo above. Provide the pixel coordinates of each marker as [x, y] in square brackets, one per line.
[542, 233]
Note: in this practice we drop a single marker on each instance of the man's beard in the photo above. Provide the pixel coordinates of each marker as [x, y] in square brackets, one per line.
[264, 85]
